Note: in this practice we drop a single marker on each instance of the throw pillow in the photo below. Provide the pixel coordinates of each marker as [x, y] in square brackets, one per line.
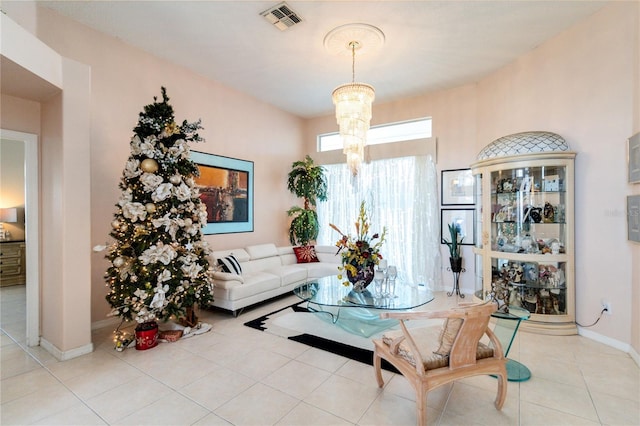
[306, 254]
[448, 335]
[230, 264]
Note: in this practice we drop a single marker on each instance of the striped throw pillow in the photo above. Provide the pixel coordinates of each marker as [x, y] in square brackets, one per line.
[230, 264]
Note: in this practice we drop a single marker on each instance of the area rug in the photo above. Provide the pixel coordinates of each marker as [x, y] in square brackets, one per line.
[316, 329]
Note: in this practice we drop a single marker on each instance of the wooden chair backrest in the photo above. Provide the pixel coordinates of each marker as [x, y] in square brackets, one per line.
[475, 323]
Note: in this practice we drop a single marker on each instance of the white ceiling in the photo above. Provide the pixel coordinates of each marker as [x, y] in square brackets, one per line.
[430, 45]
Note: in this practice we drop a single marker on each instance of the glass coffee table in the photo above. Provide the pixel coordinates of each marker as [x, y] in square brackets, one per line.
[358, 313]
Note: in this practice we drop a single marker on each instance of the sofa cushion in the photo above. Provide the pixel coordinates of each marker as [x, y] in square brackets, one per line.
[260, 251]
[230, 264]
[425, 337]
[289, 274]
[448, 335]
[239, 254]
[306, 254]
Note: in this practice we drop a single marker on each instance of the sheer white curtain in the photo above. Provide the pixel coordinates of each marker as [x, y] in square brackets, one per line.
[401, 194]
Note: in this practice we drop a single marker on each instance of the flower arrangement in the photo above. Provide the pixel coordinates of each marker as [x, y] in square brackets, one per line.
[359, 252]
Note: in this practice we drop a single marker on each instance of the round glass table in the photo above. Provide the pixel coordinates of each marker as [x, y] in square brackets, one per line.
[359, 313]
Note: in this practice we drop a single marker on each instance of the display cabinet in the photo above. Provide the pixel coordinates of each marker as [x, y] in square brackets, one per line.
[524, 253]
[12, 263]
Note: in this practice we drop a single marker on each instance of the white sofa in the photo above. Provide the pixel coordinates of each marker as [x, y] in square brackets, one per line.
[267, 271]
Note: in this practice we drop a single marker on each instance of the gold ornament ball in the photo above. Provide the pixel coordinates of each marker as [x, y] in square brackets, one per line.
[149, 165]
[115, 224]
[175, 179]
[151, 208]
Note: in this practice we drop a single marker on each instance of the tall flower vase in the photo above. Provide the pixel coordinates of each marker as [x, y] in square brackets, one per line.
[362, 278]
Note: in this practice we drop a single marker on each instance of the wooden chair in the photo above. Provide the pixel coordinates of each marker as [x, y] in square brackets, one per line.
[429, 360]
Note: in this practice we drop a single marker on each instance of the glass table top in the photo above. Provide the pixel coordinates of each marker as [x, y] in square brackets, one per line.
[329, 291]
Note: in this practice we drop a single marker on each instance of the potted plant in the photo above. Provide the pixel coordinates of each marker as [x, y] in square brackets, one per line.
[307, 181]
[454, 247]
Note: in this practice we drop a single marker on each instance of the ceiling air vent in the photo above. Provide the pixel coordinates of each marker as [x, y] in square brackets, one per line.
[281, 16]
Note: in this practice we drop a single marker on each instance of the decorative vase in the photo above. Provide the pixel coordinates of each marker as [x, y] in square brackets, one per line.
[362, 278]
[456, 264]
[146, 335]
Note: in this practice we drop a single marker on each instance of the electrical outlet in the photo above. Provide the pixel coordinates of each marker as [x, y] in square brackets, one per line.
[606, 305]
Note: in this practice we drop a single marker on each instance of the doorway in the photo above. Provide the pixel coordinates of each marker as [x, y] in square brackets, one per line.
[32, 231]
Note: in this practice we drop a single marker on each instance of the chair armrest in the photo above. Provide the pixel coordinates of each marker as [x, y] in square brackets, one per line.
[498, 352]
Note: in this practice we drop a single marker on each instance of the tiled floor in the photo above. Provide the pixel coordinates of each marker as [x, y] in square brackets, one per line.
[240, 376]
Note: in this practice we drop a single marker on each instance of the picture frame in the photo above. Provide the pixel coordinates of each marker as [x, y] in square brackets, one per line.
[633, 218]
[457, 187]
[464, 218]
[226, 189]
[633, 158]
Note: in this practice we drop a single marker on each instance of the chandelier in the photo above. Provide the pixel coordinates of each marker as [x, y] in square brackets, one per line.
[353, 100]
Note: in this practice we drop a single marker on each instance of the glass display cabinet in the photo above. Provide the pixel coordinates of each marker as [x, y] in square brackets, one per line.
[524, 253]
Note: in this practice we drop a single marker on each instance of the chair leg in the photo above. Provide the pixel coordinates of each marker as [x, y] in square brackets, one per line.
[502, 390]
[377, 367]
[421, 406]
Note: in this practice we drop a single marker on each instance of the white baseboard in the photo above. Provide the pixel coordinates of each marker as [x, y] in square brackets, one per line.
[624, 347]
[635, 356]
[65, 355]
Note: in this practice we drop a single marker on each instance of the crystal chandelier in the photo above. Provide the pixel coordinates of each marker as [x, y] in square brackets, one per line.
[353, 100]
[353, 113]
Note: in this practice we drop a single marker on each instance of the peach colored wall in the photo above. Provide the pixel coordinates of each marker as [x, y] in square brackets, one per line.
[20, 115]
[123, 80]
[580, 84]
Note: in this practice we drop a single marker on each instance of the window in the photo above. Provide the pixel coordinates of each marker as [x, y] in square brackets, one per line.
[386, 133]
[401, 194]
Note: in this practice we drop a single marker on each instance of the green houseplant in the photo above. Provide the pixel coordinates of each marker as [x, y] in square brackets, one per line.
[455, 257]
[307, 181]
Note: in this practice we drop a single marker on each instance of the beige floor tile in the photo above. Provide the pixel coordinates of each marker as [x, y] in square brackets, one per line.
[613, 410]
[15, 361]
[471, 405]
[363, 373]
[389, 409]
[258, 364]
[258, 405]
[322, 359]
[37, 405]
[537, 415]
[343, 397]
[297, 379]
[568, 399]
[77, 414]
[26, 383]
[118, 403]
[305, 414]
[170, 410]
[218, 387]
[212, 419]
[102, 378]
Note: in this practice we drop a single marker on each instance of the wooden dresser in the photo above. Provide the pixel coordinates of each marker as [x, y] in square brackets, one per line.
[12, 263]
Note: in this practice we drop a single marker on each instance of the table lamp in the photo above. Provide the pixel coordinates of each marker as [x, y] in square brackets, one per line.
[7, 215]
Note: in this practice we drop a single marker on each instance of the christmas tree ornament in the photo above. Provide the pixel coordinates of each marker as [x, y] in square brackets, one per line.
[149, 165]
[118, 262]
[150, 207]
[175, 179]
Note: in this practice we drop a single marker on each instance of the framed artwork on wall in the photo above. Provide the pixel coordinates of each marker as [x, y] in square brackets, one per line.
[464, 220]
[633, 218]
[226, 188]
[633, 148]
[457, 187]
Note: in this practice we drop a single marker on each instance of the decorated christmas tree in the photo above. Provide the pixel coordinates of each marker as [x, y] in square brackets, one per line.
[159, 265]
